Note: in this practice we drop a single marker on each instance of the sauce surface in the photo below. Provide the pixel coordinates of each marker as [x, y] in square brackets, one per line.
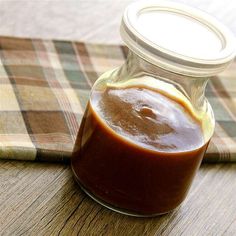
[148, 119]
[137, 150]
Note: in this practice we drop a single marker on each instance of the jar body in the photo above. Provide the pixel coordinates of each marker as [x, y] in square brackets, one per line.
[129, 159]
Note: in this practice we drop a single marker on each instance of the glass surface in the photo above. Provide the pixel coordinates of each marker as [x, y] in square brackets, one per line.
[142, 138]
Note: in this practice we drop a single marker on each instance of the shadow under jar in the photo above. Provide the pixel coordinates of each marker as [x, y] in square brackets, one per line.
[147, 124]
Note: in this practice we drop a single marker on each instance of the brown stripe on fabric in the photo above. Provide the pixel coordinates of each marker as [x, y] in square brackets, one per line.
[19, 44]
[54, 142]
[16, 91]
[125, 50]
[217, 150]
[25, 71]
[89, 70]
[218, 139]
[212, 154]
[227, 103]
[27, 124]
[13, 57]
[212, 157]
[44, 155]
[29, 81]
[46, 122]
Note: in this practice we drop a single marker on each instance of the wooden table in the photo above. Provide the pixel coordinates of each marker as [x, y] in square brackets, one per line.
[43, 199]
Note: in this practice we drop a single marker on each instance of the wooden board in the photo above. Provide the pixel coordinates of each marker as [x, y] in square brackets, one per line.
[44, 199]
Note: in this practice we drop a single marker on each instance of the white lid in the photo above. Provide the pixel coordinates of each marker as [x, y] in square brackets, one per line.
[177, 37]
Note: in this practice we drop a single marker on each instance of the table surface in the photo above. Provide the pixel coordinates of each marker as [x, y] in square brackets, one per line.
[43, 198]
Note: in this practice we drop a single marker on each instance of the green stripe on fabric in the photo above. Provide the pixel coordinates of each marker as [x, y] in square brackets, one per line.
[219, 110]
[86, 60]
[228, 102]
[74, 72]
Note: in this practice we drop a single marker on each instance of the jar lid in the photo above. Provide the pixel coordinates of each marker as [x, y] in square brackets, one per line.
[178, 38]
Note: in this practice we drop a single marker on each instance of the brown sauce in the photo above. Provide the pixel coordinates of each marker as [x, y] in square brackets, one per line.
[138, 150]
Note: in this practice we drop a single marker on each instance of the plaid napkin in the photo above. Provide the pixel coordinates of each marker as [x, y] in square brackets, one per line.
[44, 88]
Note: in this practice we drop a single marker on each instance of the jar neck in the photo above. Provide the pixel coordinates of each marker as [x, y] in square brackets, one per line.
[191, 87]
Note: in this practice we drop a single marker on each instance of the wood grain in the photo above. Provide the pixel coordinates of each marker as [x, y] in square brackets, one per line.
[43, 198]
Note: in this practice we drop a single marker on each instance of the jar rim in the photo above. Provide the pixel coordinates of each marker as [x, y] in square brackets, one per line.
[138, 36]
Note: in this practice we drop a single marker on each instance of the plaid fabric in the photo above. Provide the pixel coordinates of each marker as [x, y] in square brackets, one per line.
[44, 88]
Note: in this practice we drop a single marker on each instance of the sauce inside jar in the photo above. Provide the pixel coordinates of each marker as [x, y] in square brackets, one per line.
[138, 150]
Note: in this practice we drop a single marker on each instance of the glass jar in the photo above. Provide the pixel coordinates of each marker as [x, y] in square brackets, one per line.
[148, 124]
